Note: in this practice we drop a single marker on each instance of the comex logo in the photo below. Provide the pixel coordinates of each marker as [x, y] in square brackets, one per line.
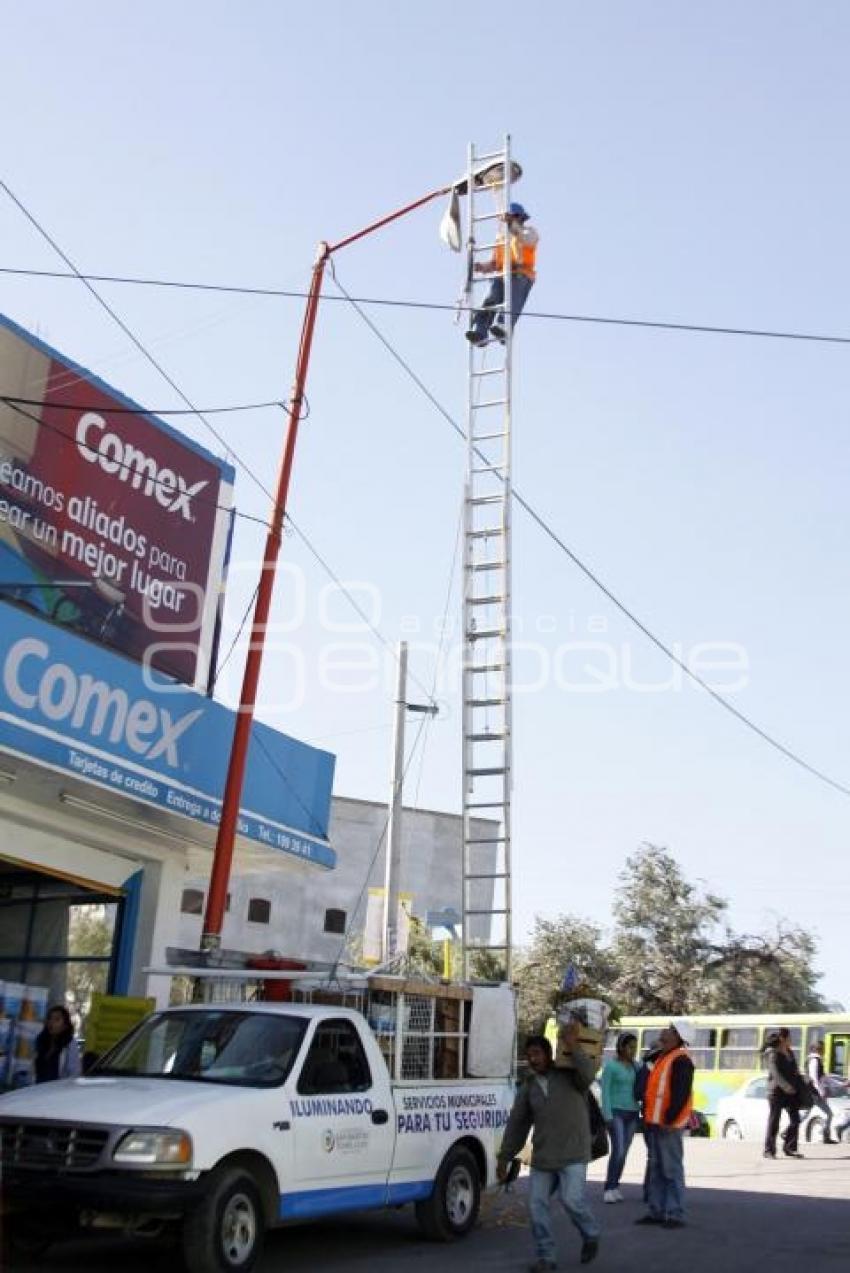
[87, 704]
[126, 462]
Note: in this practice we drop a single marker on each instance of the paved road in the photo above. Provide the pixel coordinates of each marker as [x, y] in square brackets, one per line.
[745, 1215]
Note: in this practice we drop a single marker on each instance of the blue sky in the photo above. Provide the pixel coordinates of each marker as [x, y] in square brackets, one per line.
[682, 163]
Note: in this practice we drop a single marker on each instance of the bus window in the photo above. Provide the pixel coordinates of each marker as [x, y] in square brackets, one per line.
[795, 1031]
[610, 1049]
[739, 1048]
[648, 1040]
[703, 1048]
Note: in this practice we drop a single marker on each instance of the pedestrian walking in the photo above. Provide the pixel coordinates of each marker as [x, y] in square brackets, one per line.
[783, 1094]
[522, 239]
[667, 1108]
[553, 1102]
[56, 1053]
[818, 1081]
[619, 1109]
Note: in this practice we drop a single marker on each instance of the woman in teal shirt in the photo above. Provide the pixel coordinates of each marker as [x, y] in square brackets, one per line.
[620, 1110]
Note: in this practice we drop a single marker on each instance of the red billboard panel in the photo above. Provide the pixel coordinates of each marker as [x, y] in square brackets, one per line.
[110, 521]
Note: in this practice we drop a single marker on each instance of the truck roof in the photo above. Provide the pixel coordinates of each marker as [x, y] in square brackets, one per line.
[308, 1010]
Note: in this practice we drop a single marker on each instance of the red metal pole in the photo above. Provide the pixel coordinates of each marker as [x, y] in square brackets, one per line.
[223, 856]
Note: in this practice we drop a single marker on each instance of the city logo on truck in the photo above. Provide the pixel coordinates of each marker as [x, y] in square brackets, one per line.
[32, 683]
[128, 464]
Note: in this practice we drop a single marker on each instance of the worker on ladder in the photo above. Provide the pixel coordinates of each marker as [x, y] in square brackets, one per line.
[523, 238]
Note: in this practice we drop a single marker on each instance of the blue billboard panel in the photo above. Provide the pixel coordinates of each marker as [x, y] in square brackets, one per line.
[78, 708]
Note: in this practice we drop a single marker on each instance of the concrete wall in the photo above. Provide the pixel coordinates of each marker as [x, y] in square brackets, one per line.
[431, 871]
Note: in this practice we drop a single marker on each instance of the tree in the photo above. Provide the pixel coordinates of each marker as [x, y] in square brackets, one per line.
[89, 933]
[675, 953]
[663, 929]
[555, 944]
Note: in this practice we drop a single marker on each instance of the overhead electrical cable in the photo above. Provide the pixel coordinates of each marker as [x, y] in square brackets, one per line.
[13, 400]
[222, 442]
[710, 329]
[591, 575]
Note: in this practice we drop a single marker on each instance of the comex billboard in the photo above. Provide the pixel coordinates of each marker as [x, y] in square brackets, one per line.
[81, 710]
[111, 522]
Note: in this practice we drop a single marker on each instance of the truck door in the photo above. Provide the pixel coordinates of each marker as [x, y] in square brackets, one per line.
[342, 1125]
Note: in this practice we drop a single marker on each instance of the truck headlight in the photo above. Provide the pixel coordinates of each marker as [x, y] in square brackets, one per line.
[146, 1148]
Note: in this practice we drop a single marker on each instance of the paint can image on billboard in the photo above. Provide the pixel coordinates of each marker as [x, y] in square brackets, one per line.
[111, 523]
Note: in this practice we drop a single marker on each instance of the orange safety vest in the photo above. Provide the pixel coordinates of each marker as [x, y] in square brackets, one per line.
[656, 1101]
[523, 256]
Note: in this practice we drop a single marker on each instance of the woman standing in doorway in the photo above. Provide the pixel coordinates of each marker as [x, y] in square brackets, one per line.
[56, 1053]
[620, 1110]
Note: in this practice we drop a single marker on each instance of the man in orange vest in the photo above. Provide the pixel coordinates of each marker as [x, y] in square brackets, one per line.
[523, 239]
[667, 1108]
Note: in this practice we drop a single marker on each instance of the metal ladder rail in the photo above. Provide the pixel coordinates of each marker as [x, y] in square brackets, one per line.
[487, 625]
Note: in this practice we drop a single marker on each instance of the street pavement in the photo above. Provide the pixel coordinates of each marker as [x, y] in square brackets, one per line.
[745, 1214]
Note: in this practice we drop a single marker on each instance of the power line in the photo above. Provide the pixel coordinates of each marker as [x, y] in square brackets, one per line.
[603, 320]
[591, 575]
[86, 280]
[11, 400]
[116, 318]
[121, 465]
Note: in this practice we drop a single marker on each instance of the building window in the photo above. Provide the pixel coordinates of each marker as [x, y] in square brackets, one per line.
[192, 901]
[334, 921]
[259, 910]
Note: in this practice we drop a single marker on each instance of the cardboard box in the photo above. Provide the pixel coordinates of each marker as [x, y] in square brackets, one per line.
[591, 1041]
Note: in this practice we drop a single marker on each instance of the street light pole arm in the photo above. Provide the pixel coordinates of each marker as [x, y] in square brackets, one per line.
[392, 216]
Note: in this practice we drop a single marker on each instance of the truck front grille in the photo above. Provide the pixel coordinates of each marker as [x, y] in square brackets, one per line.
[51, 1146]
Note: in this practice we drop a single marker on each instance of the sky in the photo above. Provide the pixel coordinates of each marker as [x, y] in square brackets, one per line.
[682, 163]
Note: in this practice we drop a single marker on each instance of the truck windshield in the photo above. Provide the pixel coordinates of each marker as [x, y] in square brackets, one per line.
[245, 1049]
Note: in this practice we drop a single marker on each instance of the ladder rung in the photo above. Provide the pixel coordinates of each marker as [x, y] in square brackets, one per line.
[488, 804]
[488, 499]
[491, 839]
[493, 600]
[486, 533]
[488, 875]
[486, 702]
[485, 634]
[488, 468]
[498, 910]
[489, 371]
[487, 437]
[485, 247]
[485, 738]
[484, 773]
[488, 216]
[487, 565]
[486, 667]
[482, 159]
[482, 406]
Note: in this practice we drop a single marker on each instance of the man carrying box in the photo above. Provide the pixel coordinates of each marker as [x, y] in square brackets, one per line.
[553, 1102]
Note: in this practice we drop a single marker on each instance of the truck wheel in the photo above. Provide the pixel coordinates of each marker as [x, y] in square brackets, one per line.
[224, 1234]
[452, 1208]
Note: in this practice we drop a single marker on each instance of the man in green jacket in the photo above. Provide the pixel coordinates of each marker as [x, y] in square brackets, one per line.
[554, 1102]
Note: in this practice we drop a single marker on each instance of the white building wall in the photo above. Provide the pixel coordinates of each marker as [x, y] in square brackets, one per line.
[431, 872]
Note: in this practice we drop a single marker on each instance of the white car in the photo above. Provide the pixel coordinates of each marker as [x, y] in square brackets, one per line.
[743, 1116]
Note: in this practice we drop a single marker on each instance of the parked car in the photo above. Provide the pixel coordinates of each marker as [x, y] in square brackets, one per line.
[743, 1115]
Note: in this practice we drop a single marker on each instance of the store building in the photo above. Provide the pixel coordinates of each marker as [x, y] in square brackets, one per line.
[114, 536]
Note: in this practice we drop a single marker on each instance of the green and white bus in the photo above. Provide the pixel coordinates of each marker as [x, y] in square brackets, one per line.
[726, 1050]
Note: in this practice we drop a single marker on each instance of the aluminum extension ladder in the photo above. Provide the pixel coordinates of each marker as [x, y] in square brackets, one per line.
[486, 677]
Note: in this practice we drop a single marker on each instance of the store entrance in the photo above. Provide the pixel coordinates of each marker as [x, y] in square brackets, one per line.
[59, 933]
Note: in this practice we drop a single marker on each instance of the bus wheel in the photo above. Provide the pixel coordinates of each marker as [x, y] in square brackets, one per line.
[452, 1209]
[732, 1130]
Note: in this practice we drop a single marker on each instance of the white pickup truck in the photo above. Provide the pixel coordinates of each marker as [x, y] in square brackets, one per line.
[231, 1119]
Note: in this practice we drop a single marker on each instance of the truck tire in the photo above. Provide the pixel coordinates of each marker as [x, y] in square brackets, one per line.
[452, 1209]
[225, 1233]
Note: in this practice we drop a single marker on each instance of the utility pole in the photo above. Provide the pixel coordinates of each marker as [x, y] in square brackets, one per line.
[392, 873]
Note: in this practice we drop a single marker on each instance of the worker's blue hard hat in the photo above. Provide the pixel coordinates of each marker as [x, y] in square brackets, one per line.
[517, 210]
